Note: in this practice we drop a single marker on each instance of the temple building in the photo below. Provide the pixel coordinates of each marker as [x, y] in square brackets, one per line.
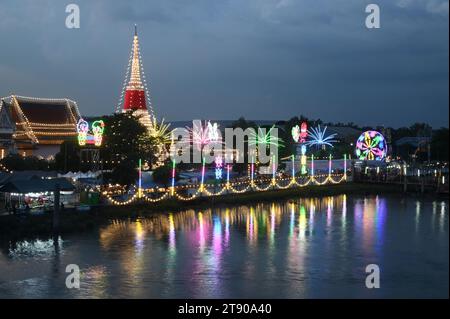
[135, 95]
[35, 126]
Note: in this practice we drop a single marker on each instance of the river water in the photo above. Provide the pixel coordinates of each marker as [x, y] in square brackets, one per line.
[303, 248]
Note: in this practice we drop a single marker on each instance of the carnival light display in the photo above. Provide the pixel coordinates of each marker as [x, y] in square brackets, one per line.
[318, 137]
[82, 129]
[219, 167]
[303, 132]
[274, 169]
[203, 175]
[295, 132]
[329, 166]
[213, 131]
[236, 187]
[140, 178]
[172, 191]
[371, 145]
[303, 160]
[161, 132]
[95, 137]
[293, 166]
[98, 127]
[204, 134]
[252, 171]
[265, 137]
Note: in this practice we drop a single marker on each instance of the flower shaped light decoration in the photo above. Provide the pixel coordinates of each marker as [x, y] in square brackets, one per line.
[265, 137]
[318, 137]
[204, 134]
[161, 132]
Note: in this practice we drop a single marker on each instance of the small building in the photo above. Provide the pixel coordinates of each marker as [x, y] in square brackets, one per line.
[35, 126]
[36, 192]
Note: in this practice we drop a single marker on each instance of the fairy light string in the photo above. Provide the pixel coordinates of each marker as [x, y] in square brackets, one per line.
[194, 191]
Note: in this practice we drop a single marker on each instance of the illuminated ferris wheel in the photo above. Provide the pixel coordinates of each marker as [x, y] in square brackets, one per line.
[371, 145]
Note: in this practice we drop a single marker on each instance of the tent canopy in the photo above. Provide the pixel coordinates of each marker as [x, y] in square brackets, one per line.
[36, 185]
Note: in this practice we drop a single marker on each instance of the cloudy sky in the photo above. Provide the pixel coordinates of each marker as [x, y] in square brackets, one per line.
[221, 59]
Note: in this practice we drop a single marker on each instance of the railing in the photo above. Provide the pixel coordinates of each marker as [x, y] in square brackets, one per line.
[438, 182]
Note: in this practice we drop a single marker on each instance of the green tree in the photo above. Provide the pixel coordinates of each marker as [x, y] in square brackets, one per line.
[163, 175]
[439, 145]
[125, 173]
[242, 123]
[127, 140]
[68, 158]
[16, 162]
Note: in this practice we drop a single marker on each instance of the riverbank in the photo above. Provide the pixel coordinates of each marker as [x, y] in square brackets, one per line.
[22, 226]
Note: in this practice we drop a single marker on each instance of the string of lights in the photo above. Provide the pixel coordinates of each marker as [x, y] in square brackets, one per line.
[203, 189]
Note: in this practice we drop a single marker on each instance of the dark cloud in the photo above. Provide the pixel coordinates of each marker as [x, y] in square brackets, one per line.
[263, 59]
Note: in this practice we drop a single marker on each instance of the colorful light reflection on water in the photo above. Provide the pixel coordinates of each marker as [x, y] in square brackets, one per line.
[312, 247]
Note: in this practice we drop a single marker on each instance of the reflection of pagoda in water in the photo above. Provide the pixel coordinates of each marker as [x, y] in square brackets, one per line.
[135, 96]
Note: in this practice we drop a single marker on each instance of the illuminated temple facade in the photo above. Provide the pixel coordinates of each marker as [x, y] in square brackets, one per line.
[36, 126]
[135, 95]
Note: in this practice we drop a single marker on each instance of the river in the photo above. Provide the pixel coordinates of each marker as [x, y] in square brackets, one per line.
[303, 248]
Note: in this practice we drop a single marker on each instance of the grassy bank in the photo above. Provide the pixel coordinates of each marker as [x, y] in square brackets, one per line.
[72, 221]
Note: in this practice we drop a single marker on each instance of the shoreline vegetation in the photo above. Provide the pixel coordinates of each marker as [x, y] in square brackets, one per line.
[14, 227]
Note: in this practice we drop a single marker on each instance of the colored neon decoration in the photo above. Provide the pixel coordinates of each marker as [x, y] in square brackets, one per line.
[230, 187]
[213, 132]
[274, 169]
[303, 132]
[293, 166]
[252, 171]
[204, 134]
[300, 133]
[172, 191]
[203, 175]
[162, 133]
[319, 138]
[82, 129]
[140, 179]
[329, 166]
[345, 166]
[371, 145]
[219, 167]
[260, 137]
[303, 159]
[295, 132]
[85, 137]
[98, 127]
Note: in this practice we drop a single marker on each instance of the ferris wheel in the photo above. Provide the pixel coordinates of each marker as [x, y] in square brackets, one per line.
[371, 145]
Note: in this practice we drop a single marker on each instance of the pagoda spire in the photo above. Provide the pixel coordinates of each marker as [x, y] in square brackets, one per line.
[135, 94]
[135, 82]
